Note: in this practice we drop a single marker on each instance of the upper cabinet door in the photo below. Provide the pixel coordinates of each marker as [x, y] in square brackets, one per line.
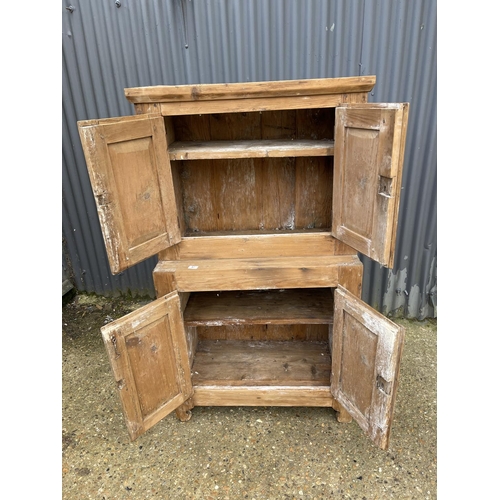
[369, 151]
[132, 182]
[366, 353]
[149, 358]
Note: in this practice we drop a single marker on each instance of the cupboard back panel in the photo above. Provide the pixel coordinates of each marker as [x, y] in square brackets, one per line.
[314, 124]
[255, 194]
[263, 332]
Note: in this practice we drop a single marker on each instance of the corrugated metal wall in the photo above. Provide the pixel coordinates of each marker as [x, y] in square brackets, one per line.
[109, 45]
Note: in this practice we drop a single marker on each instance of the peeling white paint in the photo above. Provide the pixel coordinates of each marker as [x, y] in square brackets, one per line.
[414, 301]
[411, 301]
[394, 297]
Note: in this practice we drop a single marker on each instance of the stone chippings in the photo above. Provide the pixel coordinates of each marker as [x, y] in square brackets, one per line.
[239, 452]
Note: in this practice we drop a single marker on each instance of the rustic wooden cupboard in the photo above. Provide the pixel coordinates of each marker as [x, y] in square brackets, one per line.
[256, 197]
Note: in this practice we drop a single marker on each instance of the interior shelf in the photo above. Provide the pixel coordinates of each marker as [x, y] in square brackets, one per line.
[290, 306]
[267, 363]
[215, 150]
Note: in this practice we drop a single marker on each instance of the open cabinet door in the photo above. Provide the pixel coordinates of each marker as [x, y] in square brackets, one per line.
[132, 182]
[366, 354]
[149, 358]
[369, 151]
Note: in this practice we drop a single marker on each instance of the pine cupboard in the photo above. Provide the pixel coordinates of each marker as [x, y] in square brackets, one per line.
[257, 198]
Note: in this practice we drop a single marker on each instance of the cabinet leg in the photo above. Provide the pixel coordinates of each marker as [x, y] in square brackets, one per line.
[343, 415]
[351, 278]
[183, 412]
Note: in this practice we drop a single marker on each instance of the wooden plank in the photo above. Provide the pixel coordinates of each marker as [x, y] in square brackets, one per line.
[263, 396]
[351, 278]
[282, 124]
[275, 193]
[313, 192]
[190, 332]
[147, 108]
[292, 306]
[233, 181]
[218, 194]
[266, 125]
[254, 244]
[275, 177]
[235, 126]
[244, 195]
[192, 342]
[249, 105]
[182, 150]
[264, 332]
[314, 175]
[223, 91]
[255, 274]
[177, 182]
[164, 283]
[267, 363]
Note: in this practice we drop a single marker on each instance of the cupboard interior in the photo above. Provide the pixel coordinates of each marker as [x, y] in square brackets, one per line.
[314, 124]
[260, 337]
[239, 185]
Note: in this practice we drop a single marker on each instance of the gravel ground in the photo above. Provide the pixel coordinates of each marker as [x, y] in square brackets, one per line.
[240, 452]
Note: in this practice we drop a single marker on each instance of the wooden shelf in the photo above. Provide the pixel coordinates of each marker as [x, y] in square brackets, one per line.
[268, 363]
[260, 307]
[216, 150]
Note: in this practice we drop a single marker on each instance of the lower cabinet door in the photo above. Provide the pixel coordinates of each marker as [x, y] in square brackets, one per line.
[149, 358]
[366, 354]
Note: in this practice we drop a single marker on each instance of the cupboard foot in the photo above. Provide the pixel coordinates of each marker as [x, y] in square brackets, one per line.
[183, 412]
[342, 414]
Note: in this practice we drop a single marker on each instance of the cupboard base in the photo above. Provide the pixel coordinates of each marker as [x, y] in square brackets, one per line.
[265, 396]
[262, 373]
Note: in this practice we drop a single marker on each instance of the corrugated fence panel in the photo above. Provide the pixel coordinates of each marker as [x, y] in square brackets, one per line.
[402, 52]
[107, 47]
